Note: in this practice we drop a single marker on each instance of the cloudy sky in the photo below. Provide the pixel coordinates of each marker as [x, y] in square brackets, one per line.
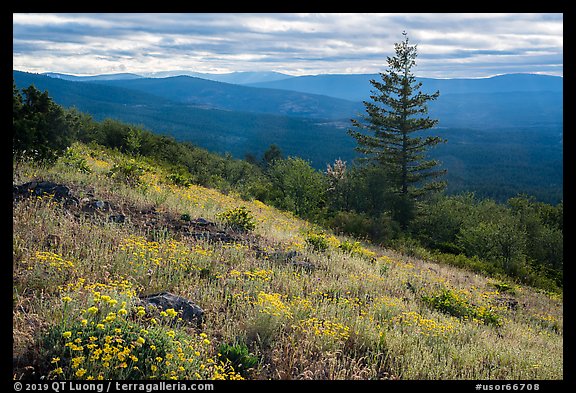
[449, 45]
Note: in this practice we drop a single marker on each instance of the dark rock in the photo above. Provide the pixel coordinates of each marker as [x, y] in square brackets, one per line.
[97, 206]
[117, 218]
[304, 265]
[58, 192]
[284, 256]
[201, 223]
[219, 236]
[508, 302]
[149, 211]
[190, 312]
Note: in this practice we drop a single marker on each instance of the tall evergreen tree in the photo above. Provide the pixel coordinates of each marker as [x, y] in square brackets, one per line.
[385, 134]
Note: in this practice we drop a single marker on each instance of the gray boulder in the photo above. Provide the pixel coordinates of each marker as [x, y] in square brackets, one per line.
[190, 312]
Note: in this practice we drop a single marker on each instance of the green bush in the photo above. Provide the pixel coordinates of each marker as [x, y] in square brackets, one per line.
[238, 219]
[473, 263]
[349, 246]
[351, 223]
[239, 357]
[180, 179]
[411, 247]
[74, 160]
[451, 303]
[318, 241]
[41, 129]
[504, 287]
[107, 335]
[382, 228]
[128, 171]
[297, 187]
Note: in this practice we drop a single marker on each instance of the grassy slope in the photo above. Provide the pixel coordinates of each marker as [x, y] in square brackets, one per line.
[356, 316]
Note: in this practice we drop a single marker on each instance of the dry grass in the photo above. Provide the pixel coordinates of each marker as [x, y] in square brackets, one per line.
[355, 316]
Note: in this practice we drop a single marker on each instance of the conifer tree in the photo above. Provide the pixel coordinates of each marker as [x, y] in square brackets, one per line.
[386, 134]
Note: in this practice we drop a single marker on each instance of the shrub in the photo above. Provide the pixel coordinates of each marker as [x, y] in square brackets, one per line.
[349, 246]
[318, 241]
[105, 334]
[238, 219]
[504, 287]
[41, 129]
[127, 171]
[449, 302]
[473, 263]
[180, 179]
[74, 160]
[355, 248]
[448, 248]
[351, 223]
[298, 187]
[411, 247]
[239, 357]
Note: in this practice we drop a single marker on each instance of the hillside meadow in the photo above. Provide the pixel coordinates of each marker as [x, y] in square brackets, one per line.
[282, 299]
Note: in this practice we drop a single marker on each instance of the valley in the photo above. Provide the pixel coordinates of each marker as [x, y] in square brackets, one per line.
[477, 117]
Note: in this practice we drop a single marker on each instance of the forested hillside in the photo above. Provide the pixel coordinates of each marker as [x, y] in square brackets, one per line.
[498, 145]
[348, 199]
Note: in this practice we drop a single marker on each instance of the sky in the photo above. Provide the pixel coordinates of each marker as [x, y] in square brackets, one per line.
[452, 45]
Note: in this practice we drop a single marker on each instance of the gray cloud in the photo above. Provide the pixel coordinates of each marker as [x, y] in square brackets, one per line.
[449, 45]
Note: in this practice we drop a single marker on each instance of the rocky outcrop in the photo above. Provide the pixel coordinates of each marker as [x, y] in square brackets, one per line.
[189, 312]
[58, 192]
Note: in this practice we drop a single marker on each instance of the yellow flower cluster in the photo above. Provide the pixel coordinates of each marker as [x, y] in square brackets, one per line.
[104, 340]
[333, 241]
[272, 304]
[98, 163]
[355, 248]
[385, 259]
[365, 253]
[301, 303]
[424, 326]
[222, 372]
[121, 286]
[252, 275]
[236, 246]
[325, 328]
[51, 260]
[260, 205]
[345, 298]
[170, 254]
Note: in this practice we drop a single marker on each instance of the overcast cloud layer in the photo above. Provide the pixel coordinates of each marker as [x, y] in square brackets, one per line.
[449, 45]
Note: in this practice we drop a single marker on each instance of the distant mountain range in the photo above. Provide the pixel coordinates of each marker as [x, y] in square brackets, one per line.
[504, 133]
[240, 78]
[502, 101]
[205, 93]
[218, 130]
[356, 87]
[91, 78]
